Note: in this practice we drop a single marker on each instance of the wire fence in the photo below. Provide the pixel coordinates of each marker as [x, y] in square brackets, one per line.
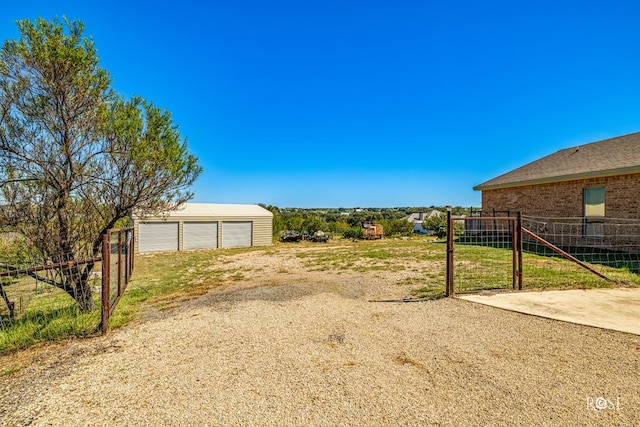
[44, 299]
[603, 242]
[118, 258]
[499, 253]
[484, 254]
[36, 307]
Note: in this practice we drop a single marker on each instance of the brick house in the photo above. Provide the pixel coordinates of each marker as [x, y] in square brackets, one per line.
[593, 183]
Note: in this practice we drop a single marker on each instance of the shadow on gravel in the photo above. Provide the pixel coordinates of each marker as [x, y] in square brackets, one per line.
[279, 293]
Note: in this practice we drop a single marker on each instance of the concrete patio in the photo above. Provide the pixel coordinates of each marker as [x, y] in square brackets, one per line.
[615, 309]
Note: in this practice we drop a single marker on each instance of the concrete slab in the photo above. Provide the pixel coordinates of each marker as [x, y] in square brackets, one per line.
[615, 309]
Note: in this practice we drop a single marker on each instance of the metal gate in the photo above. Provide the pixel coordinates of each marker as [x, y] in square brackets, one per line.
[488, 255]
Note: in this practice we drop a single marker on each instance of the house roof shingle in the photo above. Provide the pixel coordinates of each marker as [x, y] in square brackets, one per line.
[615, 156]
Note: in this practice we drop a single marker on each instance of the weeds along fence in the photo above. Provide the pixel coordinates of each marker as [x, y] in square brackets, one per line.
[43, 300]
[516, 252]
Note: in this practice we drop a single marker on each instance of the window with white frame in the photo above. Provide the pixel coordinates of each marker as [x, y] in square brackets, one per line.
[594, 212]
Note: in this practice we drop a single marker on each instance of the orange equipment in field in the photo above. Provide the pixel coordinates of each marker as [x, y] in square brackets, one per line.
[372, 231]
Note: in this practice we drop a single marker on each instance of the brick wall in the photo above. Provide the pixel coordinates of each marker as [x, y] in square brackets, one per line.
[565, 199]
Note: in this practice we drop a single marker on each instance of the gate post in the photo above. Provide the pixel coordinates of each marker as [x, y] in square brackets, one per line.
[449, 285]
[514, 252]
[519, 244]
[105, 281]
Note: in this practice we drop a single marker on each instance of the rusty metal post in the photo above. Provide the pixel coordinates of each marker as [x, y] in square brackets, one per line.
[132, 248]
[449, 286]
[119, 262]
[514, 253]
[126, 258]
[519, 243]
[105, 282]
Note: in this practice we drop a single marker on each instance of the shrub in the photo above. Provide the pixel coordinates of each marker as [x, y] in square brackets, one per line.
[352, 233]
[397, 227]
[438, 226]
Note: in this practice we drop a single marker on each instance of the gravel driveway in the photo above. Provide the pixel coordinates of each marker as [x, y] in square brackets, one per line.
[313, 349]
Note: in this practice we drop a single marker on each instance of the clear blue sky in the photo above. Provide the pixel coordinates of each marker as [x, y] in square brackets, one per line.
[367, 103]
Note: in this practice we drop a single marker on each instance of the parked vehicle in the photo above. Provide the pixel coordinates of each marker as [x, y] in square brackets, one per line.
[372, 231]
[290, 236]
[319, 236]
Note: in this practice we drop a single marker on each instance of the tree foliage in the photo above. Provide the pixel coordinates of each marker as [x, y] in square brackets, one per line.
[348, 222]
[397, 227]
[438, 226]
[353, 233]
[76, 158]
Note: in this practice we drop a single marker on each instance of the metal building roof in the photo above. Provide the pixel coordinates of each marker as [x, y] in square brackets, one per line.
[215, 210]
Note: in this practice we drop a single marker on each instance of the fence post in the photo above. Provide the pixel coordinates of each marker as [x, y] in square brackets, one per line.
[132, 249]
[513, 227]
[105, 282]
[119, 269]
[126, 258]
[519, 243]
[449, 285]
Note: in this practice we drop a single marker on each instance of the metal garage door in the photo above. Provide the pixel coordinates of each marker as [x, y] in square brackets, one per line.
[157, 236]
[199, 235]
[236, 234]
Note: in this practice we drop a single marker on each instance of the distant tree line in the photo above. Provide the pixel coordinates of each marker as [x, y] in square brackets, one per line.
[347, 222]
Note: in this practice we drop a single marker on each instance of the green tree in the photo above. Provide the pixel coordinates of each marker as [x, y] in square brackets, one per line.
[338, 227]
[312, 224]
[438, 226]
[352, 233]
[295, 222]
[76, 158]
[397, 227]
[356, 219]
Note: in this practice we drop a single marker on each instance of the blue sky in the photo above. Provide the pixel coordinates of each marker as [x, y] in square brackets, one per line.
[367, 103]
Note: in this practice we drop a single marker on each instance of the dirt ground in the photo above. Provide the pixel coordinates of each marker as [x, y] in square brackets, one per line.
[290, 346]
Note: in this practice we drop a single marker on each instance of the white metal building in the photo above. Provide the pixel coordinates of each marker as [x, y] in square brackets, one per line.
[205, 225]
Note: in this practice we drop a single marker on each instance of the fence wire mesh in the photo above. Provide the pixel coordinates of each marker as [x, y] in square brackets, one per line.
[60, 296]
[120, 259]
[602, 242]
[484, 256]
[41, 299]
[556, 253]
